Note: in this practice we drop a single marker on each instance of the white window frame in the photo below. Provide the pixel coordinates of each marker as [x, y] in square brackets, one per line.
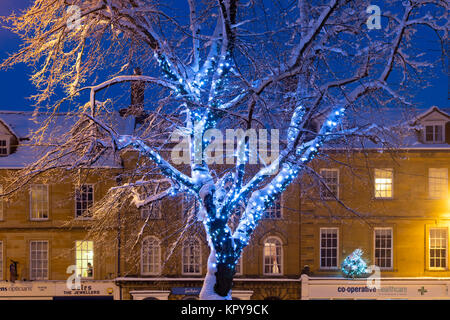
[77, 188]
[446, 249]
[31, 259]
[6, 138]
[321, 231]
[375, 182]
[199, 258]
[1, 260]
[271, 212]
[158, 256]
[47, 202]
[150, 209]
[431, 187]
[281, 266]
[322, 187]
[93, 258]
[434, 125]
[391, 248]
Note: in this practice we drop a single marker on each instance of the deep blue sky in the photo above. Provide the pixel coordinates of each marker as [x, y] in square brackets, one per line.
[15, 86]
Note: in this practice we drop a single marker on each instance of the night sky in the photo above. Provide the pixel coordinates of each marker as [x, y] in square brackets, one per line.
[15, 86]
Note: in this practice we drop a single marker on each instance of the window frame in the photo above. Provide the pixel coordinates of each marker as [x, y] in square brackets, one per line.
[77, 188]
[281, 273]
[157, 205]
[337, 183]
[6, 138]
[1, 260]
[31, 202]
[337, 248]
[375, 183]
[93, 259]
[31, 259]
[270, 212]
[241, 266]
[434, 125]
[391, 248]
[429, 249]
[445, 195]
[158, 256]
[199, 257]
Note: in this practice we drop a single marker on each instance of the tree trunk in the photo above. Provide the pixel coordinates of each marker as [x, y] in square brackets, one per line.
[208, 291]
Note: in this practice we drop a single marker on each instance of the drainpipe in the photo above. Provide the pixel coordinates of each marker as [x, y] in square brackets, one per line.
[119, 243]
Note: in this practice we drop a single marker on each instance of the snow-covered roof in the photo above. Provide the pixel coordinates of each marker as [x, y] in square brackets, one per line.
[22, 124]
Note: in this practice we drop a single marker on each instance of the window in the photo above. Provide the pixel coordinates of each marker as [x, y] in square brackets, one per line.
[150, 256]
[274, 211]
[383, 248]
[328, 248]
[434, 133]
[39, 260]
[239, 267]
[331, 179]
[272, 256]
[191, 256]
[39, 202]
[84, 199]
[438, 248]
[151, 211]
[84, 255]
[1, 260]
[190, 206]
[4, 145]
[384, 183]
[437, 183]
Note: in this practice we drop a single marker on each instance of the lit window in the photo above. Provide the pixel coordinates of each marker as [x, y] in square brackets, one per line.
[331, 179]
[438, 183]
[39, 202]
[328, 248]
[383, 248]
[383, 183]
[438, 248]
[274, 211]
[151, 256]
[1, 260]
[434, 134]
[84, 254]
[84, 199]
[191, 256]
[273, 256]
[151, 211]
[39, 260]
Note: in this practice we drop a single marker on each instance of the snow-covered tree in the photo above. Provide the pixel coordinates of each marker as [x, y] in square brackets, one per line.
[302, 67]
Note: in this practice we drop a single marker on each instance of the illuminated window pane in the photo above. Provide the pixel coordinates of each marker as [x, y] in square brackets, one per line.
[84, 253]
[39, 260]
[383, 183]
[39, 201]
[151, 256]
[438, 248]
[272, 253]
[438, 183]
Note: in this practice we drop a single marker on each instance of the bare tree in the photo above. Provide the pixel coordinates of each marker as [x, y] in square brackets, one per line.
[216, 64]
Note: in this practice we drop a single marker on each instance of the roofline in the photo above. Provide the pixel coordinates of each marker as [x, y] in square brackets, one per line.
[433, 108]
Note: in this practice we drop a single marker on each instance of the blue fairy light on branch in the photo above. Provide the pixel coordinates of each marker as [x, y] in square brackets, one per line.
[354, 266]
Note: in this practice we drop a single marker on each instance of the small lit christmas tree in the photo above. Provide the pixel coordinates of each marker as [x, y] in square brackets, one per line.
[354, 266]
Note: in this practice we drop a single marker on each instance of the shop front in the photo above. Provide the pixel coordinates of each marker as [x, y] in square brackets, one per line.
[58, 290]
[327, 288]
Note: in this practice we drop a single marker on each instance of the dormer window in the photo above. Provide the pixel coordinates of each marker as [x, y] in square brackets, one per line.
[4, 145]
[434, 133]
